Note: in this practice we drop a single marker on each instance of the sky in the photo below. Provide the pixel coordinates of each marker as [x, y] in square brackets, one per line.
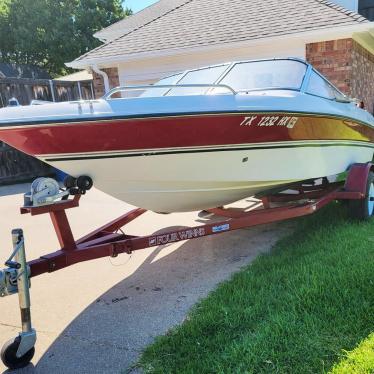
[137, 5]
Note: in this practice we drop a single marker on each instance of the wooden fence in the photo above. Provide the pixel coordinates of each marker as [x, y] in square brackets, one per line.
[25, 90]
[16, 166]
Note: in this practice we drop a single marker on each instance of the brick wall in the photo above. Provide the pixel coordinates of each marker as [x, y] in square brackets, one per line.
[98, 81]
[347, 65]
[333, 59]
[362, 85]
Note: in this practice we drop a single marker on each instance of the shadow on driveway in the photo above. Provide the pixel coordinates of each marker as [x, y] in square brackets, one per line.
[14, 189]
[82, 329]
[109, 335]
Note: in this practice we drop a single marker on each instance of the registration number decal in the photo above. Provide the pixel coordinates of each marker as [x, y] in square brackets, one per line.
[269, 121]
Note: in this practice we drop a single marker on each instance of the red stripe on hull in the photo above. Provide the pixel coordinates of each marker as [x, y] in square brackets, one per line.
[183, 131]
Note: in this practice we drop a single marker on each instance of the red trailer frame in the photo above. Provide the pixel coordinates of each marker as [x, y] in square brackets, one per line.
[108, 241]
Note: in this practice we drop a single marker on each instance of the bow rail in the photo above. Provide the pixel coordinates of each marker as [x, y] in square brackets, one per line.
[109, 94]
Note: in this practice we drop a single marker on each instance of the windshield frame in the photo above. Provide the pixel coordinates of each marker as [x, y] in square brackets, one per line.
[231, 65]
[344, 98]
[185, 73]
[300, 89]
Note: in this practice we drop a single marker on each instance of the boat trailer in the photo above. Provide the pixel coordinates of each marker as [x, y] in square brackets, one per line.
[300, 199]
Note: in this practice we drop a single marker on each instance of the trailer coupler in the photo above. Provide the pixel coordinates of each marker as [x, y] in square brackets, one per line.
[18, 352]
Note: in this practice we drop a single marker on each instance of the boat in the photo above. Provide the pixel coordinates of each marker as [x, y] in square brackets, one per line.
[203, 138]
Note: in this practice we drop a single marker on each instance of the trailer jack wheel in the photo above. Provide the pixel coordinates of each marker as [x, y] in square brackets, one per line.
[18, 352]
[9, 354]
[363, 209]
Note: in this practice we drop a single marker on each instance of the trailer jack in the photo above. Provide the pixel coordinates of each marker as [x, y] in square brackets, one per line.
[18, 352]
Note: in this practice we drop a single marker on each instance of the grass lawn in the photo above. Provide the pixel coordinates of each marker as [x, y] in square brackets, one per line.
[359, 361]
[296, 310]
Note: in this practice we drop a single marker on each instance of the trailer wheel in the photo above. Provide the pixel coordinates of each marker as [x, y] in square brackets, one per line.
[9, 357]
[363, 209]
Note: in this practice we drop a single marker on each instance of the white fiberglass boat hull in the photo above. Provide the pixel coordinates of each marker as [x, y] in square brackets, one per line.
[201, 180]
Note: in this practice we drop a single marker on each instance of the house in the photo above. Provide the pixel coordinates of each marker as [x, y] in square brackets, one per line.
[79, 76]
[83, 82]
[173, 35]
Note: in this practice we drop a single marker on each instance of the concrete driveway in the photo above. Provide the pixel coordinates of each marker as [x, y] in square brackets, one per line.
[96, 317]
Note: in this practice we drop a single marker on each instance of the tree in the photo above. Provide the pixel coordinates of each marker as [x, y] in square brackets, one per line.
[4, 26]
[48, 33]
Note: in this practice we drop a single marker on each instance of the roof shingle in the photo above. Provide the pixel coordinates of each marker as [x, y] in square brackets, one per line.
[139, 19]
[207, 22]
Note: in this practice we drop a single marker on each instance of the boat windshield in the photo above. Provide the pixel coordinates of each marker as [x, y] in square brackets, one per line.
[200, 76]
[173, 79]
[241, 76]
[207, 76]
[265, 75]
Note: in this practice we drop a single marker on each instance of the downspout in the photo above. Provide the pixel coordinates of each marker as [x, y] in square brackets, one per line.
[105, 77]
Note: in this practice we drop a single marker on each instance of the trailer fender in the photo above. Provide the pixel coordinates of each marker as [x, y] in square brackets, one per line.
[357, 177]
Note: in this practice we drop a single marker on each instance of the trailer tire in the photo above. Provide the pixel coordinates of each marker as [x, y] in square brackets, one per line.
[9, 357]
[363, 209]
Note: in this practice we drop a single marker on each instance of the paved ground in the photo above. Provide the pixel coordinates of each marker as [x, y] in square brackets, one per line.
[96, 317]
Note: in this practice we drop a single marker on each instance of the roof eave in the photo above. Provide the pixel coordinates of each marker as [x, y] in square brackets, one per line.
[365, 39]
[306, 37]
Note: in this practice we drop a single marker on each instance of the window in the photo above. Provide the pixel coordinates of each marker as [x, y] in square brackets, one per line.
[320, 87]
[200, 76]
[366, 8]
[262, 75]
[154, 92]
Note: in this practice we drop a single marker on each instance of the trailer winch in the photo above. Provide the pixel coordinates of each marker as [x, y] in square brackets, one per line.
[45, 191]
